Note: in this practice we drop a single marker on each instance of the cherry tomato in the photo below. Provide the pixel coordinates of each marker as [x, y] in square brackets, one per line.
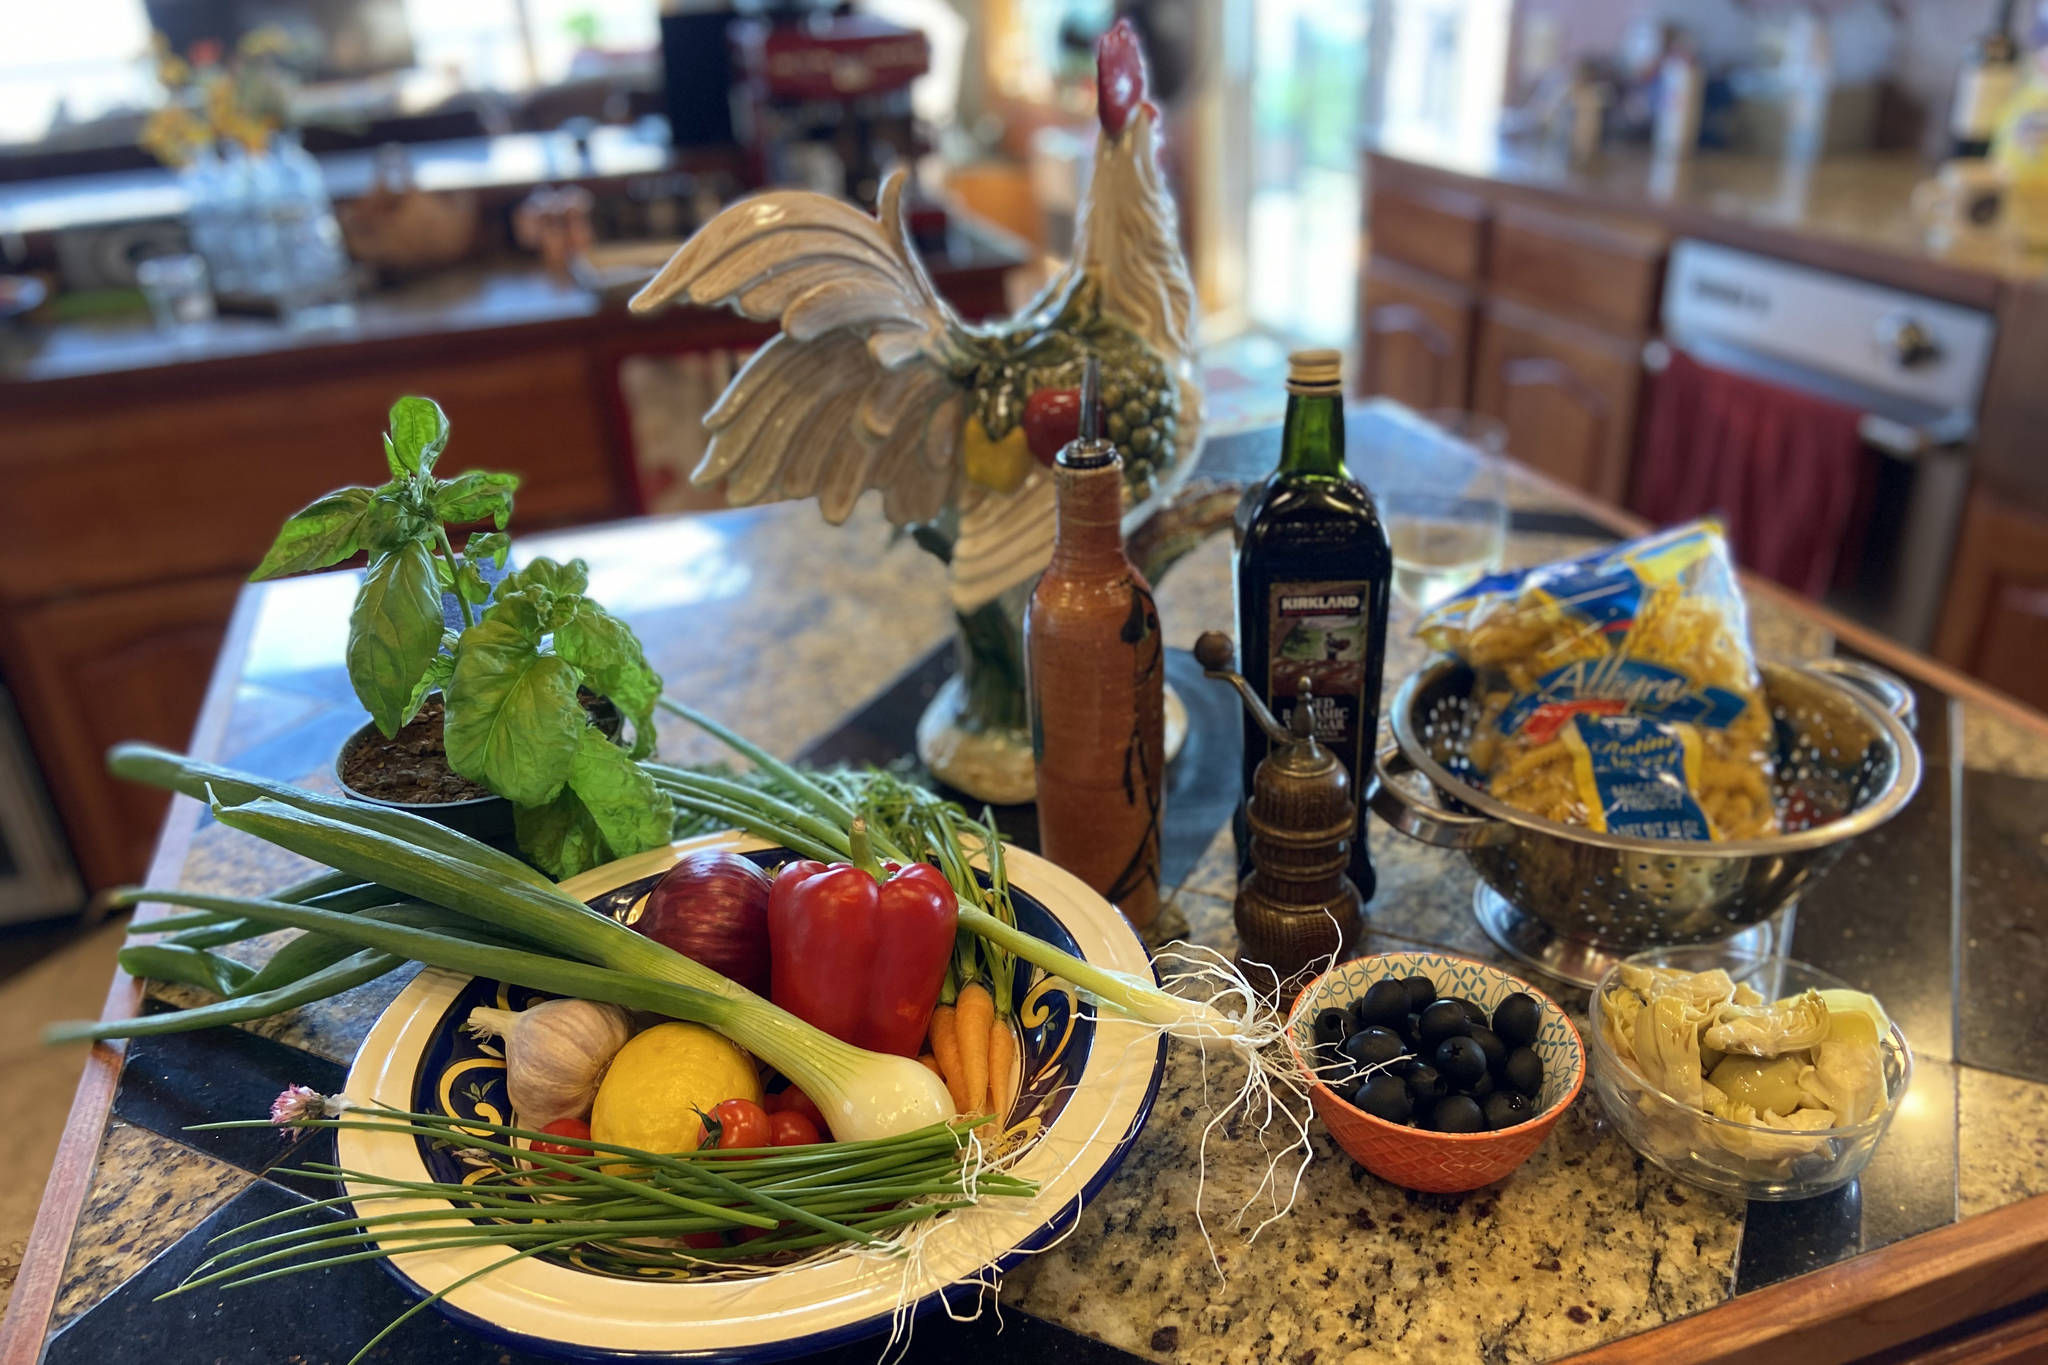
[795, 1101]
[703, 1241]
[569, 1128]
[791, 1129]
[741, 1123]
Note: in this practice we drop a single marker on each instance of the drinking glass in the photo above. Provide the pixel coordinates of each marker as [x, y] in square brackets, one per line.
[176, 289]
[1440, 492]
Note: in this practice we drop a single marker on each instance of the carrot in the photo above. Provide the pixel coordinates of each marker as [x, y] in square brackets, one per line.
[1002, 1057]
[931, 1064]
[977, 1011]
[946, 1047]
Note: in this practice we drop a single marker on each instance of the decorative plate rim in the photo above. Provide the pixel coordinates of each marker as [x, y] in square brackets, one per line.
[556, 1310]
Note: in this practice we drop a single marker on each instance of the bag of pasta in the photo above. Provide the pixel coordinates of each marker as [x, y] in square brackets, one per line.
[1618, 691]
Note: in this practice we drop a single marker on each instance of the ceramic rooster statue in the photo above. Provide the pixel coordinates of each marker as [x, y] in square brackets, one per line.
[874, 383]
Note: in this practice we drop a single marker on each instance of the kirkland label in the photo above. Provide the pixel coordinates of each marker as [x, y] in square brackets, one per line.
[1319, 635]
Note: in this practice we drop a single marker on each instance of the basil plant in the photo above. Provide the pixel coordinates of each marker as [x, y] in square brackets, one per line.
[510, 679]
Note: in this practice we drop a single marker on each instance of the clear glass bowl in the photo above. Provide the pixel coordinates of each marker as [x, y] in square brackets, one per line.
[1746, 1160]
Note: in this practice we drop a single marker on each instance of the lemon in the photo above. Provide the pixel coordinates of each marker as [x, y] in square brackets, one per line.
[658, 1082]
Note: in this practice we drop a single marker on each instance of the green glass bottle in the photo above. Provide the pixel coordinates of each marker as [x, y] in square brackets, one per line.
[1313, 576]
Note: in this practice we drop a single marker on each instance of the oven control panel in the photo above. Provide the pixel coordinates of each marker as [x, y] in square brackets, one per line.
[1894, 343]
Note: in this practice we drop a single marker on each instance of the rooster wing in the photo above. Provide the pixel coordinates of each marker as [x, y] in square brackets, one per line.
[864, 385]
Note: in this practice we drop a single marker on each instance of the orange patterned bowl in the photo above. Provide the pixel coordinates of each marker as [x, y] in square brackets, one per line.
[1413, 1157]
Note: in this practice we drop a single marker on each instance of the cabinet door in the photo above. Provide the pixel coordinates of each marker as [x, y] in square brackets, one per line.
[1416, 337]
[1567, 395]
[90, 672]
[1994, 623]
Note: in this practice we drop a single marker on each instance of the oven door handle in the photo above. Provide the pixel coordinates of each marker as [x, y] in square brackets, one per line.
[1903, 441]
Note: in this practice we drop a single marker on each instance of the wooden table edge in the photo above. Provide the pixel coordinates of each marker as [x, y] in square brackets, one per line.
[27, 1325]
[1850, 1310]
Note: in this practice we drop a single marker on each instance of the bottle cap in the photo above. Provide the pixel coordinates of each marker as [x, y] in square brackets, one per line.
[1319, 371]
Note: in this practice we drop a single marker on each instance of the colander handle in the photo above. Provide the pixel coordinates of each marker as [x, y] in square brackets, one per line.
[1420, 820]
[1891, 691]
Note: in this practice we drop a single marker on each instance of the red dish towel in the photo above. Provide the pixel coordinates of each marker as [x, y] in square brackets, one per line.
[1787, 472]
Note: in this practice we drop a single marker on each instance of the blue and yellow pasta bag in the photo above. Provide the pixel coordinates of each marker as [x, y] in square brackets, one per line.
[1619, 690]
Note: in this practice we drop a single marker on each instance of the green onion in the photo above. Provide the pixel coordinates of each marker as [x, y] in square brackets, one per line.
[797, 1198]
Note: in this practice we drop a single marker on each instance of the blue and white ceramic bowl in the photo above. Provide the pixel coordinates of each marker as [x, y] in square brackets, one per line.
[1086, 1086]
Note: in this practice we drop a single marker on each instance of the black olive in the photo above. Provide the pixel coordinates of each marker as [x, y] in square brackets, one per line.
[1338, 1073]
[1421, 990]
[1523, 1071]
[1482, 1087]
[1457, 1115]
[1505, 1109]
[1384, 1097]
[1404, 1066]
[1373, 1046]
[1460, 1060]
[1490, 1044]
[1518, 1020]
[1384, 1004]
[1441, 1020]
[1426, 1085]
[1474, 1012]
[1331, 1026]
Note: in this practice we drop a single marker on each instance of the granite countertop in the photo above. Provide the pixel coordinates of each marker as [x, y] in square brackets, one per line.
[749, 615]
[1862, 201]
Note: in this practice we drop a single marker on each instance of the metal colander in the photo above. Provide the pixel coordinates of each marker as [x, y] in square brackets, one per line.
[1571, 899]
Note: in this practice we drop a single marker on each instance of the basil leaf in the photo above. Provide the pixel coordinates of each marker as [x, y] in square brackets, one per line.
[561, 838]
[439, 669]
[475, 496]
[392, 521]
[513, 717]
[419, 433]
[524, 610]
[393, 633]
[628, 809]
[608, 655]
[469, 584]
[491, 545]
[609, 809]
[322, 533]
[561, 579]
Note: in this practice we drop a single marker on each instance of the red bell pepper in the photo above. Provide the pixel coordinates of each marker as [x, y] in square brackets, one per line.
[859, 949]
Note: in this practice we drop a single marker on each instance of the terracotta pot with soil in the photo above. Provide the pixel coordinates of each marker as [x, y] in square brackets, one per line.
[410, 772]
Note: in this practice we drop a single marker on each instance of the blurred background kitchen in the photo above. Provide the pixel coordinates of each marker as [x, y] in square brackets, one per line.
[1780, 260]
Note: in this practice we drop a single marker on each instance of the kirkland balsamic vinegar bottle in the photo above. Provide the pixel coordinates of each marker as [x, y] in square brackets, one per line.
[1313, 573]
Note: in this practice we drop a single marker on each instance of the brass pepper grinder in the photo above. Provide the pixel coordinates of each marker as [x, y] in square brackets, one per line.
[1297, 907]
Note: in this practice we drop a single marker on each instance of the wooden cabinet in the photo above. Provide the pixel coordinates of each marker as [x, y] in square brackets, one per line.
[1415, 337]
[1436, 228]
[1488, 299]
[1597, 271]
[1567, 395]
[93, 671]
[1994, 623]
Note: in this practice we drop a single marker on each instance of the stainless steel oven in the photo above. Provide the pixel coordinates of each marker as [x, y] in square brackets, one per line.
[1913, 367]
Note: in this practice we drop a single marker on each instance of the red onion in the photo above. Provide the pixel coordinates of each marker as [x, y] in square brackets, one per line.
[712, 907]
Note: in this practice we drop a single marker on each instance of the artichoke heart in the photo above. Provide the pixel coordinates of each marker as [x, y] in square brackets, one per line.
[1793, 1024]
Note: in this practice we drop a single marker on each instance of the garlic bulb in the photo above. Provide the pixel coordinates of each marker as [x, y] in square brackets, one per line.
[555, 1054]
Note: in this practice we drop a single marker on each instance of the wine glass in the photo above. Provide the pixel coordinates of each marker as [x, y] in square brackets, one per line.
[1441, 494]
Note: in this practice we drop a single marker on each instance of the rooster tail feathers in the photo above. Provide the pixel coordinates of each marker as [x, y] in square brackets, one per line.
[862, 388]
